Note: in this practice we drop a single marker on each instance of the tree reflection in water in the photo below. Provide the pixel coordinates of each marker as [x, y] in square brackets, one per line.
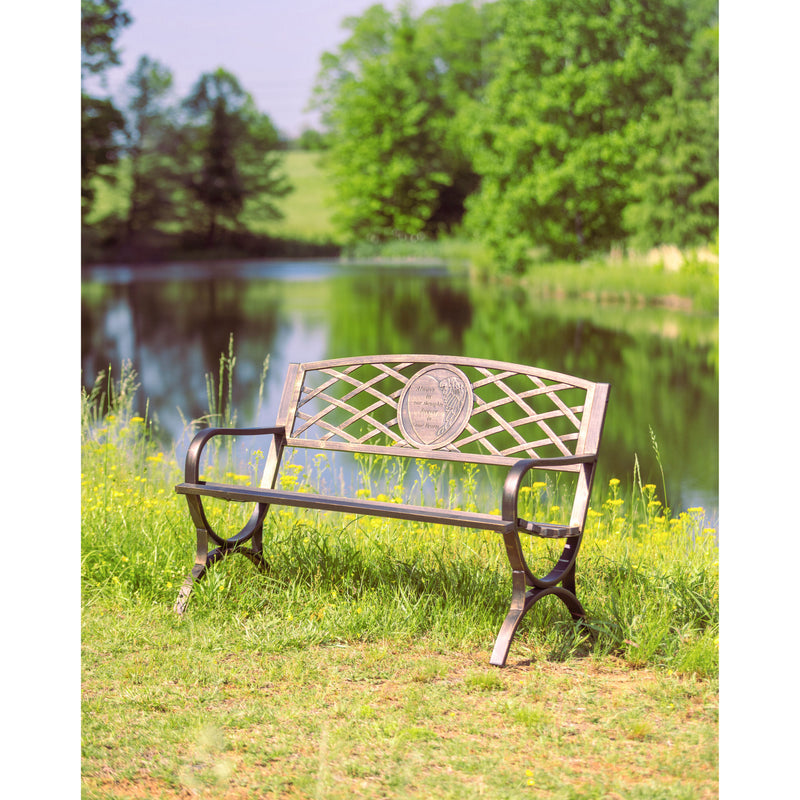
[174, 321]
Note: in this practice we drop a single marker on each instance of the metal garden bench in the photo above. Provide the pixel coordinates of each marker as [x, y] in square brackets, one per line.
[433, 407]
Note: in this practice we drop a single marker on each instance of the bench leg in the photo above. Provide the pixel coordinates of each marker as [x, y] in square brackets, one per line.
[519, 607]
[201, 564]
[568, 582]
[255, 552]
[204, 559]
[518, 611]
[523, 598]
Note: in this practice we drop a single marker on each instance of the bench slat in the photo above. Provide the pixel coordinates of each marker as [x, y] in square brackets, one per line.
[402, 449]
[549, 530]
[346, 505]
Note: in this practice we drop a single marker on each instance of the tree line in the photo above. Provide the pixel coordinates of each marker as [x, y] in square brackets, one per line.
[535, 126]
[194, 165]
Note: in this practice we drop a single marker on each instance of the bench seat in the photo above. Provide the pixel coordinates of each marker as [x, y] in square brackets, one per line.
[347, 505]
[377, 508]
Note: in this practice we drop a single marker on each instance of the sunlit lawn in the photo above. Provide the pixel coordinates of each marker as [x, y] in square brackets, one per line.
[357, 665]
[307, 211]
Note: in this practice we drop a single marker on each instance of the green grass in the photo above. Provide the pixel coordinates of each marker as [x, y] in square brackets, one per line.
[358, 663]
[307, 214]
[695, 287]
[596, 283]
[175, 708]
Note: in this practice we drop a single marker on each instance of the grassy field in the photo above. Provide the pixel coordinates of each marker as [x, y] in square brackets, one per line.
[307, 216]
[357, 665]
[196, 708]
[307, 213]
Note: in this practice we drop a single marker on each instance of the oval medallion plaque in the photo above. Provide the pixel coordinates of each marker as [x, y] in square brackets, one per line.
[435, 406]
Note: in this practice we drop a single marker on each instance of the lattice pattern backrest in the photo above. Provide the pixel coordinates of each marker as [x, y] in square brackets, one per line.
[429, 407]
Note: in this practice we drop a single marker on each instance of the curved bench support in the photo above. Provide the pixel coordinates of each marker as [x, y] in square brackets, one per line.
[253, 531]
[523, 598]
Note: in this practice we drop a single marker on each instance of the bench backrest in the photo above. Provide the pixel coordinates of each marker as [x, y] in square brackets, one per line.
[441, 407]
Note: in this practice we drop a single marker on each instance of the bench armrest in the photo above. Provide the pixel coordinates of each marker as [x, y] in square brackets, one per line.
[523, 466]
[192, 470]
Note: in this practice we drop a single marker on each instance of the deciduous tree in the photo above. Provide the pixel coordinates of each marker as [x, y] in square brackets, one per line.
[390, 96]
[675, 183]
[555, 146]
[152, 138]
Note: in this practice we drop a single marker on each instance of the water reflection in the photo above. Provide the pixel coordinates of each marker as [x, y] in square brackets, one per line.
[173, 322]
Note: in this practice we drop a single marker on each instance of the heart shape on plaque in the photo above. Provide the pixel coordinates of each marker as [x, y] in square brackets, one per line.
[435, 406]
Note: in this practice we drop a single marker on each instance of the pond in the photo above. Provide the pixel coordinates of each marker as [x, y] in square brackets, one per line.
[173, 321]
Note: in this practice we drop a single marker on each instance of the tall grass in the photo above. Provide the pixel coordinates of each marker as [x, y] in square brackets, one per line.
[647, 577]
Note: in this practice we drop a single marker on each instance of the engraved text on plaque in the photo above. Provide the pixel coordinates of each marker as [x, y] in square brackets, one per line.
[435, 406]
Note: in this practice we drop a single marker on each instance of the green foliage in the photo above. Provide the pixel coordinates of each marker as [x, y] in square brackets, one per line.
[675, 184]
[199, 168]
[101, 122]
[389, 96]
[554, 147]
[196, 168]
[563, 129]
[230, 157]
[538, 130]
[312, 141]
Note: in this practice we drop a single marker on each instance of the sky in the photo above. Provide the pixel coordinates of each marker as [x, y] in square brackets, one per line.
[272, 46]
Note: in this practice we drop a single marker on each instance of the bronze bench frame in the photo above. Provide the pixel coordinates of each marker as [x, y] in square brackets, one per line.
[435, 411]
